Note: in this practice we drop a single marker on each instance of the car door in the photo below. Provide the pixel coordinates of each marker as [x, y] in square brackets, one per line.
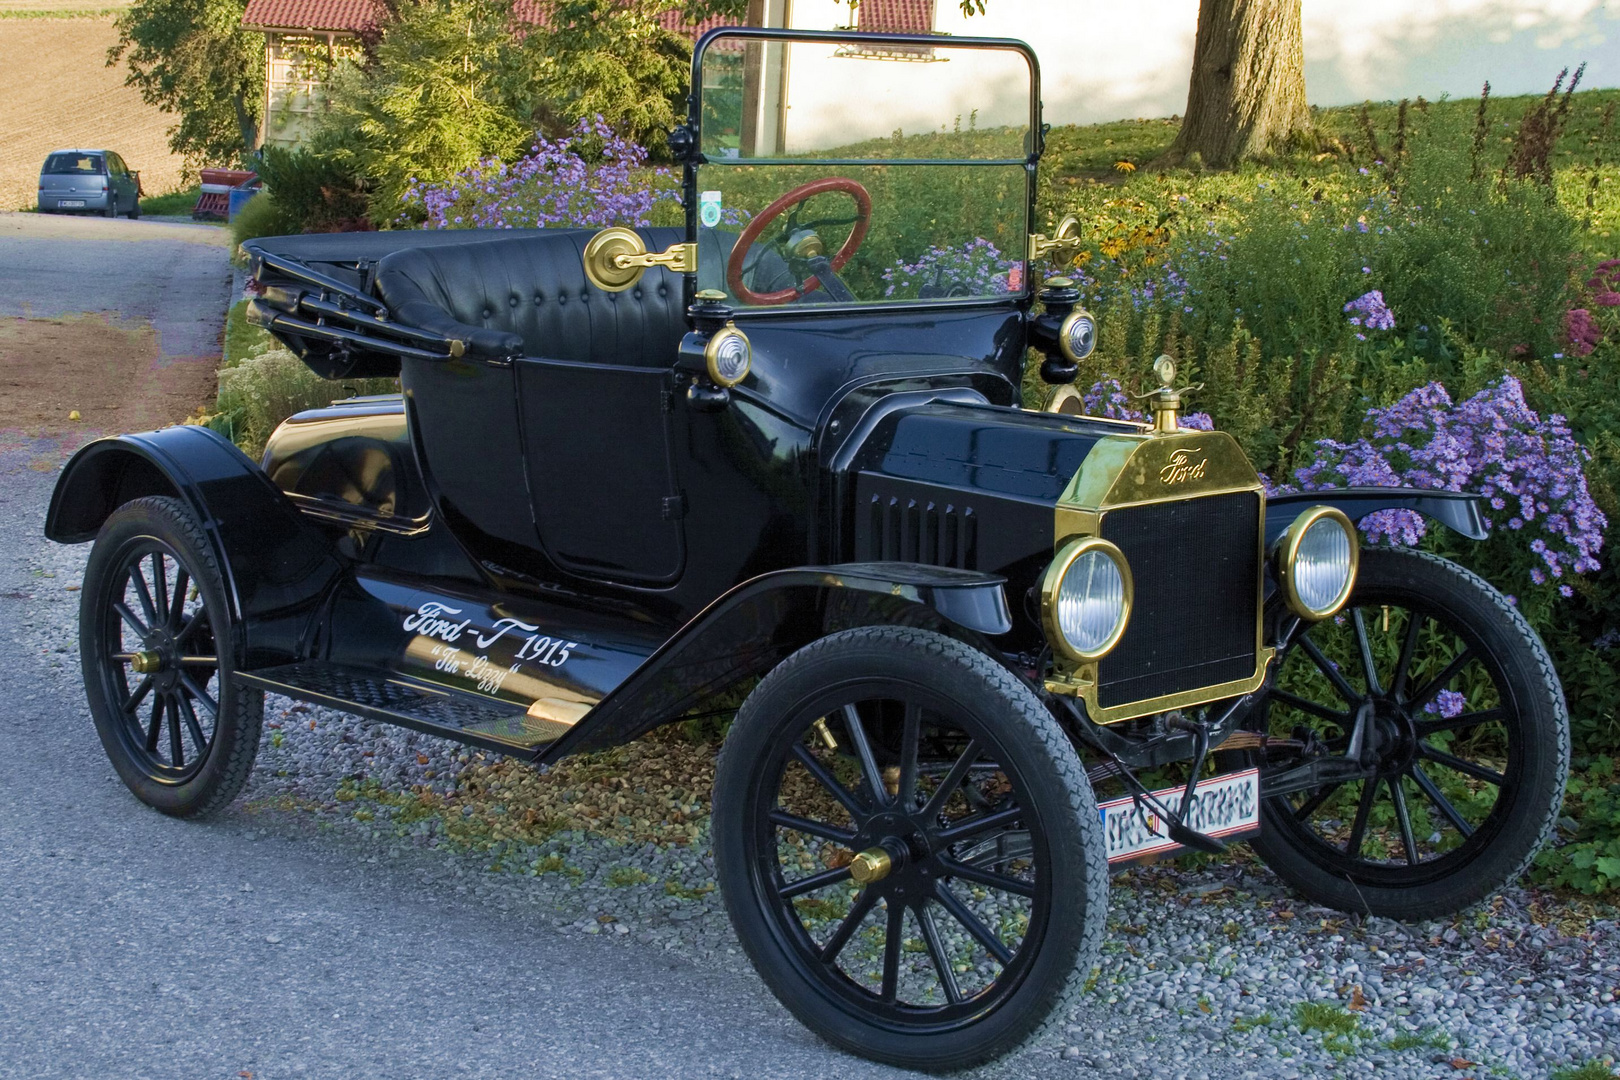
[597, 449]
[118, 173]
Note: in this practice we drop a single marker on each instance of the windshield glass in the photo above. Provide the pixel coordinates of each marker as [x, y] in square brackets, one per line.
[838, 172]
[68, 164]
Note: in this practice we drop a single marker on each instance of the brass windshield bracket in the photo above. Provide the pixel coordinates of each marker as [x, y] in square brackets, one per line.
[1065, 241]
[615, 259]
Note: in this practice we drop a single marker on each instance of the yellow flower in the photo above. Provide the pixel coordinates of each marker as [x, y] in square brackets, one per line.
[1124, 166]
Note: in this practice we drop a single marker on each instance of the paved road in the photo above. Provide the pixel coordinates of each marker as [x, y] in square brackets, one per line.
[133, 945]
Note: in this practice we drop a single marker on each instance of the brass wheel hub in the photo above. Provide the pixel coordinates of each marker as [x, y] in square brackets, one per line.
[147, 662]
[871, 865]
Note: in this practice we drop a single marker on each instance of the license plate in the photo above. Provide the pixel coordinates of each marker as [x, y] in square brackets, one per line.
[1223, 806]
[70, 202]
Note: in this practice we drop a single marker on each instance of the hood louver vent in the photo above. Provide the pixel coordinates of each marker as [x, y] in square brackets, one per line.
[903, 529]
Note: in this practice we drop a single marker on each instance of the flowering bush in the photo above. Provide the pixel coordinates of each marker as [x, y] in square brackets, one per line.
[1369, 310]
[591, 178]
[976, 268]
[1530, 470]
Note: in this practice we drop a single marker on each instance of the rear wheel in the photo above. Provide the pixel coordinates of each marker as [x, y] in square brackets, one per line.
[1438, 687]
[909, 848]
[154, 642]
[112, 206]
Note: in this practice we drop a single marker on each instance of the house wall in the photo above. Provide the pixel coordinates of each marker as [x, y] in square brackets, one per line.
[295, 70]
[1110, 61]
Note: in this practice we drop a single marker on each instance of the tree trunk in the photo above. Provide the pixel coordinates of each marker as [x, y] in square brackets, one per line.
[1247, 92]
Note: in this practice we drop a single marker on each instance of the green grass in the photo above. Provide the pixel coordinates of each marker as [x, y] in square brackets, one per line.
[65, 13]
[1247, 1023]
[175, 202]
[622, 877]
[1591, 1070]
[1427, 1039]
[242, 338]
[1328, 1019]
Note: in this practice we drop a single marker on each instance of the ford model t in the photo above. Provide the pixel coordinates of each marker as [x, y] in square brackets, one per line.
[780, 454]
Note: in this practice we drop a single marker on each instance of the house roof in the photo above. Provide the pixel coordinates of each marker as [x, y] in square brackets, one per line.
[895, 16]
[360, 16]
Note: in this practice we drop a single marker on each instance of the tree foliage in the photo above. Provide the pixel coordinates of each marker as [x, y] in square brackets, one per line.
[193, 58]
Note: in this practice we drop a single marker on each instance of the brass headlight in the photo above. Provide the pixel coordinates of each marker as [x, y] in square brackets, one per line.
[1316, 562]
[1077, 336]
[728, 356]
[1086, 599]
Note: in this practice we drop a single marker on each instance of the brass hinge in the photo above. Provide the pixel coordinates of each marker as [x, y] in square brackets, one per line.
[681, 258]
[1066, 239]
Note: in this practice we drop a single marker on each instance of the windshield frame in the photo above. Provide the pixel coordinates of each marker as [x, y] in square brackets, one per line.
[694, 157]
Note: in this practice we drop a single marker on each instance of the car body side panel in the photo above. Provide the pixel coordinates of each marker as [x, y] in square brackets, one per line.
[277, 564]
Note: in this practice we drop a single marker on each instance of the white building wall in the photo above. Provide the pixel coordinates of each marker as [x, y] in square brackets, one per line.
[1106, 60]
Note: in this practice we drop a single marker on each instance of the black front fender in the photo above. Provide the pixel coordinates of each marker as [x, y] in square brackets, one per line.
[277, 565]
[1457, 510]
[757, 624]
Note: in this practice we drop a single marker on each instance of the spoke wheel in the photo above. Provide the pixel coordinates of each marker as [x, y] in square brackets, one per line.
[152, 621]
[1442, 697]
[900, 868]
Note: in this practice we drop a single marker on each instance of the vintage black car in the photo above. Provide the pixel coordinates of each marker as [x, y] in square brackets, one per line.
[988, 651]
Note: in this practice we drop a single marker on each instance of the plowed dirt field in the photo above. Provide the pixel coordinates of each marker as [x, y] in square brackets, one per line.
[59, 92]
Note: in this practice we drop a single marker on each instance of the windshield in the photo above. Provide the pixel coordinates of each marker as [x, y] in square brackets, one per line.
[847, 171]
[70, 164]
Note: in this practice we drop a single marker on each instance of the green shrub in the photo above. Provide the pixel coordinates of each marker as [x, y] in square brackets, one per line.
[265, 388]
[261, 215]
[314, 189]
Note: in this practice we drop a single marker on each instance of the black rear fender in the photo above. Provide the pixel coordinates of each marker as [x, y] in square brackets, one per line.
[1457, 510]
[758, 624]
[277, 566]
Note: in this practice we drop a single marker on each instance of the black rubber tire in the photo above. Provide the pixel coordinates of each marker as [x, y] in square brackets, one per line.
[1031, 741]
[111, 210]
[135, 211]
[1524, 824]
[235, 741]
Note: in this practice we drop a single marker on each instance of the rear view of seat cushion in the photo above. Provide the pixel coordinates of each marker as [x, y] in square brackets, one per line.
[535, 287]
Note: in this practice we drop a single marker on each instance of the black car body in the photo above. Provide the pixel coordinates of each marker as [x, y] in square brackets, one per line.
[580, 520]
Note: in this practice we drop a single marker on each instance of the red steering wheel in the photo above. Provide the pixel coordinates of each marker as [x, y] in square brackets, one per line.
[863, 219]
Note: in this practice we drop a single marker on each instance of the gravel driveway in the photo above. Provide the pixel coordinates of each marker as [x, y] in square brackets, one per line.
[363, 911]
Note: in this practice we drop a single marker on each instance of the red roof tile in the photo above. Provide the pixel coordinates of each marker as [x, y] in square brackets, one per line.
[359, 16]
[895, 16]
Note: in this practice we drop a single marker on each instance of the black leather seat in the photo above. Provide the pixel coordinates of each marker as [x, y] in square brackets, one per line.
[529, 296]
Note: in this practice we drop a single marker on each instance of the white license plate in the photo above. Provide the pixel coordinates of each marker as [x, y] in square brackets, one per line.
[1223, 806]
[70, 202]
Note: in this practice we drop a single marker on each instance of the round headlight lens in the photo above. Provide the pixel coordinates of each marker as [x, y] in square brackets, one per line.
[1088, 598]
[728, 355]
[1319, 562]
[1077, 337]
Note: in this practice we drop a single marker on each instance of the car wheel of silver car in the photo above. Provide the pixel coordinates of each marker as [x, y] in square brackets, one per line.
[155, 644]
[112, 206]
[909, 848]
[1448, 699]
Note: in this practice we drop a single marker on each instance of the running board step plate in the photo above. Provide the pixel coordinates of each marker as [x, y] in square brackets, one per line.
[451, 714]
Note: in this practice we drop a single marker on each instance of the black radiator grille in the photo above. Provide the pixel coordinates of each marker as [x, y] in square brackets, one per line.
[904, 529]
[1196, 566]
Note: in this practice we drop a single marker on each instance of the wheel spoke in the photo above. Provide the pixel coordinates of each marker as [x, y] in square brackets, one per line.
[1358, 829]
[970, 922]
[893, 940]
[828, 781]
[784, 820]
[137, 578]
[137, 695]
[962, 830]
[1305, 705]
[177, 757]
[129, 617]
[846, 929]
[1440, 681]
[160, 585]
[177, 606]
[156, 727]
[1333, 674]
[813, 882]
[1401, 815]
[952, 781]
[198, 739]
[1310, 805]
[1368, 669]
[195, 689]
[1459, 722]
[863, 751]
[988, 878]
[936, 952]
[1432, 792]
[910, 736]
[1403, 666]
[1457, 764]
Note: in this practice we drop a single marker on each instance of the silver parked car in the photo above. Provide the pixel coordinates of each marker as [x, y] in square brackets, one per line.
[89, 180]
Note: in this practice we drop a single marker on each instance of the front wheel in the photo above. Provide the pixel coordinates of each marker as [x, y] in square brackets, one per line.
[1441, 694]
[155, 645]
[909, 848]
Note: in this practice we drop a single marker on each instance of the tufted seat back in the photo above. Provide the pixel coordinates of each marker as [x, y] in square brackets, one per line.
[534, 287]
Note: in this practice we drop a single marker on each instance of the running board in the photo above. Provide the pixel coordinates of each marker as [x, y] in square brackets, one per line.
[451, 714]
